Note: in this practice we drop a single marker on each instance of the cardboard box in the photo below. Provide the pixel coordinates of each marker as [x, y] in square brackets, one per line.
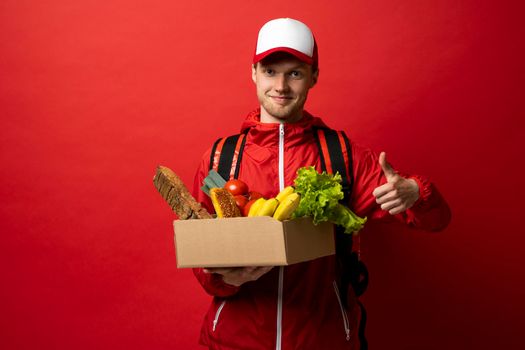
[250, 241]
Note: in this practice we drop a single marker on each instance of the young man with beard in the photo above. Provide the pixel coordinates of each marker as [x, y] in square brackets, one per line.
[299, 306]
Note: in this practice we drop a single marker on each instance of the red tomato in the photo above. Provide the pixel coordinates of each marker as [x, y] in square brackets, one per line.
[236, 187]
[254, 195]
[247, 207]
[241, 201]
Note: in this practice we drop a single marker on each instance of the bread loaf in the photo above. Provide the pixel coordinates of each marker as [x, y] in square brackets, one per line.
[173, 190]
[224, 203]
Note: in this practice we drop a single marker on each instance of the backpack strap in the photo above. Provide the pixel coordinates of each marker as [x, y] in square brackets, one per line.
[226, 155]
[336, 156]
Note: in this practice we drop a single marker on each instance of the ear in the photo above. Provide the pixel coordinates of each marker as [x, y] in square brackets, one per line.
[254, 73]
[315, 76]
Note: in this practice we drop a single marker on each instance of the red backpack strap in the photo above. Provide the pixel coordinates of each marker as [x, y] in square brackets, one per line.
[336, 156]
[226, 155]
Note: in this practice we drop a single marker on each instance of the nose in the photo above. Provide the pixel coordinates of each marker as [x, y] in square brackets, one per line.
[281, 84]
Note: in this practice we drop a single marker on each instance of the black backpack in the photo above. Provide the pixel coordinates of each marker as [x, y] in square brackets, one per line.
[336, 156]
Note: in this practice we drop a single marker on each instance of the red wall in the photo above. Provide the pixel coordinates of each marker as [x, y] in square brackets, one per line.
[95, 94]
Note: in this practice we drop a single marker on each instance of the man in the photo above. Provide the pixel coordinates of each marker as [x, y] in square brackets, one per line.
[299, 306]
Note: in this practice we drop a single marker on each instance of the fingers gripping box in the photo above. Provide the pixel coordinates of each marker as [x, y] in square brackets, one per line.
[251, 241]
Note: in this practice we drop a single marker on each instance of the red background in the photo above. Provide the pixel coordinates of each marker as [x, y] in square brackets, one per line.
[95, 94]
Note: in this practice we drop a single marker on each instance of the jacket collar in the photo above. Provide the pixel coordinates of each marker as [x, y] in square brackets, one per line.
[267, 134]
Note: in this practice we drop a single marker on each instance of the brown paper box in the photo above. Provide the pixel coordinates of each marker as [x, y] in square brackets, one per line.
[250, 241]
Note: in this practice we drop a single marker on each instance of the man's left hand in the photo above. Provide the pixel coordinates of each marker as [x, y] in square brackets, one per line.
[398, 194]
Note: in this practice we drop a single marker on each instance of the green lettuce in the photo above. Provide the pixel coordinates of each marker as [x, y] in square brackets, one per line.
[320, 196]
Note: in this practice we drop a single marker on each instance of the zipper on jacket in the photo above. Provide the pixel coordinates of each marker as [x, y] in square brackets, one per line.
[217, 314]
[281, 269]
[281, 156]
[343, 312]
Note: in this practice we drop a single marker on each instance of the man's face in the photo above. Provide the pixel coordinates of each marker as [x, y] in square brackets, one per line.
[282, 83]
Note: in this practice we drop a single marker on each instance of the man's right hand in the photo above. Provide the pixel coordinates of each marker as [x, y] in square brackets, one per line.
[237, 276]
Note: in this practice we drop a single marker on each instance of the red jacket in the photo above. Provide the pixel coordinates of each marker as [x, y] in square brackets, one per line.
[297, 306]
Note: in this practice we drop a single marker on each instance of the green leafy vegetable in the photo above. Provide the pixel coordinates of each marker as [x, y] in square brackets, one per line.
[320, 196]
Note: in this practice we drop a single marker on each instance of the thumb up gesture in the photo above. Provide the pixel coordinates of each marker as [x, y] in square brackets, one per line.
[398, 194]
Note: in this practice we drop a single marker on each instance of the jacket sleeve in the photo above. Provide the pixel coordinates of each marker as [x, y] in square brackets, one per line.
[212, 283]
[430, 212]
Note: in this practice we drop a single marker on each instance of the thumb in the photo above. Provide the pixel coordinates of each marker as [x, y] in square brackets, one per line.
[387, 168]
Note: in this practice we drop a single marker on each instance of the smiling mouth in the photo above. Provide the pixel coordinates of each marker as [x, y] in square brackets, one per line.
[281, 99]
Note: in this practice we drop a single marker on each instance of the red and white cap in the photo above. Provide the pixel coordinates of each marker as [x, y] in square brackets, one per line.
[286, 35]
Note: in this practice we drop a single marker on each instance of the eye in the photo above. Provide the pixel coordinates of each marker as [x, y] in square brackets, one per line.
[296, 74]
[269, 71]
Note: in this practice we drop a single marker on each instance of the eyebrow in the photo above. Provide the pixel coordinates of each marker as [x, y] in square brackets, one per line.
[297, 66]
[300, 65]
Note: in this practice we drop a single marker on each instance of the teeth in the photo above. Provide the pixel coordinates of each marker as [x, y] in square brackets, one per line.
[287, 207]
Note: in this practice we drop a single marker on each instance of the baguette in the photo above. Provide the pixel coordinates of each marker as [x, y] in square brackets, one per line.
[173, 190]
